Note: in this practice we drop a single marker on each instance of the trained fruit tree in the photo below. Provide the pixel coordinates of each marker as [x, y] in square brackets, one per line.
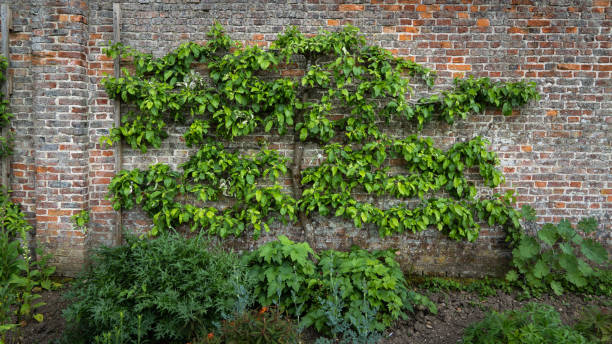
[242, 92]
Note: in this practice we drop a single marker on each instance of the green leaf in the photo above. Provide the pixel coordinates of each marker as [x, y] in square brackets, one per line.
[566, 248]
[575, 277]
[588, 225]
[565, 230]
[507, 109]
[242, 100]
[38, 317]
[584, 268]
[303, 134]
[594, 251]
[269, 126]
[528, 213]
[7, 327]
[548, 234]
[556, 287]
[512, 276]
[540, 269]
[568, 261]
[528, 248]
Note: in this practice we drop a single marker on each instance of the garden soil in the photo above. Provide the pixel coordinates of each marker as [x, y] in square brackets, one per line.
[456, 310]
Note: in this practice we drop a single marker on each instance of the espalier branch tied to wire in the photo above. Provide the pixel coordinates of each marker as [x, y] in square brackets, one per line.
[245, 94]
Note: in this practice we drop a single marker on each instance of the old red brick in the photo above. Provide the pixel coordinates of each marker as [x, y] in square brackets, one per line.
[404, 37]
[538, 22]
[459, 67]
[517, 30]
[410, 29]
[350, 7]
[482, 22]
[568, 66]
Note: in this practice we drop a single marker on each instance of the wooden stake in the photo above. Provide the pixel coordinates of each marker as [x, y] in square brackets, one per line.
[117, 114]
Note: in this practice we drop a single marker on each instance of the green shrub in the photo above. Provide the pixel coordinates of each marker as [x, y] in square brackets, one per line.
[284, 273]
[533, 324]
[560, 258]
[168, 289]
[342, 288]
[367, 281]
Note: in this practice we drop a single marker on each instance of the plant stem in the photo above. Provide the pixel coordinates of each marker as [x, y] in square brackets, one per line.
[296, 171]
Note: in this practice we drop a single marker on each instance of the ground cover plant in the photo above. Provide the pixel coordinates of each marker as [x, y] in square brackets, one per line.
[483, 287]
[532, 324]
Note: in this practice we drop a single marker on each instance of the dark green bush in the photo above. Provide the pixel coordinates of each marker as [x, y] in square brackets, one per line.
[169, 289]
[533, 324]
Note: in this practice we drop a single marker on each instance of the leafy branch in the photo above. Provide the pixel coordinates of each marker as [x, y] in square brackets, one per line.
[243, 94]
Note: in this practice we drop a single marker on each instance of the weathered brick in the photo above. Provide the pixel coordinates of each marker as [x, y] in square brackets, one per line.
[567, 66]
[350, 7]
[538, 22]
[482, 22]
[459, 67]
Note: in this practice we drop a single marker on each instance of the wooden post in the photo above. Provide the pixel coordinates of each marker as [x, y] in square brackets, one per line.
[117, 113]
[5, 13]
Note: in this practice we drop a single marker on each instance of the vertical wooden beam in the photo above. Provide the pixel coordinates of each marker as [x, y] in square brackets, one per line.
[117, 113]
[5, 13]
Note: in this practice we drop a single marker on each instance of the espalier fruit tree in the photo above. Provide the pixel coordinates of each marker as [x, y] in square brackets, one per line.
[243, 93]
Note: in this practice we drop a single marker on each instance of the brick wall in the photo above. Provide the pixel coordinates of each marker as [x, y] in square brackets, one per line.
[556, 153]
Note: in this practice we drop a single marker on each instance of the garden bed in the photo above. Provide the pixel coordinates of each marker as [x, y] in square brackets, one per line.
[52, 326]
[456, 311]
